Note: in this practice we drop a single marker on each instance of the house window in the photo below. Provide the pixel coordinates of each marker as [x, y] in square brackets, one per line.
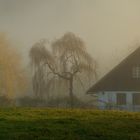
[136, 72]
[136, 99]
[121, 99]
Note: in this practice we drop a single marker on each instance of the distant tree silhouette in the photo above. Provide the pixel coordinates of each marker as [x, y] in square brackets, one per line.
[67, 61]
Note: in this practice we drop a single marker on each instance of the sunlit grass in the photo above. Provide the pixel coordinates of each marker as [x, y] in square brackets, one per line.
[66, 124]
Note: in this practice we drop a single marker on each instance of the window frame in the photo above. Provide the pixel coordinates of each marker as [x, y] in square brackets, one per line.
[136, 99]
[136, 72]
[122, 99]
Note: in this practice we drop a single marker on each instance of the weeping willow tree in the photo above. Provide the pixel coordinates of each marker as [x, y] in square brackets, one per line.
[38, 55]
[67, 60]
[12, 77]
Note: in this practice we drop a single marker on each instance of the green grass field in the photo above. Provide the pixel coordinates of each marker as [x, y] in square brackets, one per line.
[62, 124]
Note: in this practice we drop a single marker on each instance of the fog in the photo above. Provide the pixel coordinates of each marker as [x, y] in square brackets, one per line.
[110, 28]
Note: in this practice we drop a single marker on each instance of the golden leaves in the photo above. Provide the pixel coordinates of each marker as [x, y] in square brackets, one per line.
[11, 75]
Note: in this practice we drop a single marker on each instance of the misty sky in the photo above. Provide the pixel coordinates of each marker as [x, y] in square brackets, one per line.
[110, 28]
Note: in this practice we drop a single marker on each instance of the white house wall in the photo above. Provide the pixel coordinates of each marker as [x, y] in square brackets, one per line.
[110, 97]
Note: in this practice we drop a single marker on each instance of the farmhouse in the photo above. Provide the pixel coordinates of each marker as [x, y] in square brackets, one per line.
[120, 88]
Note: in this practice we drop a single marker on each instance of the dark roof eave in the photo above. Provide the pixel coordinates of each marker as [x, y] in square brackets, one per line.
[89, 92]
[95, 92]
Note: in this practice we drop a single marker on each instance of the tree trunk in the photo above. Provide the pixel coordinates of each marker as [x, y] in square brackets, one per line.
[71, 92]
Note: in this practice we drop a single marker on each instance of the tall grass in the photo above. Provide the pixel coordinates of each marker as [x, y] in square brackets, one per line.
[66, 124]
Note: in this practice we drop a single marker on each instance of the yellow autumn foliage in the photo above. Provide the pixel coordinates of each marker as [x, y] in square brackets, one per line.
[12, 77]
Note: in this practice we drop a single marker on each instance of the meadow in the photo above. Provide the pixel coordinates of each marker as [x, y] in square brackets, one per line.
[68, 124]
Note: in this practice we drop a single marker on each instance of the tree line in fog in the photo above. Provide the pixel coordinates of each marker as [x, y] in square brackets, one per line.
[59, 69]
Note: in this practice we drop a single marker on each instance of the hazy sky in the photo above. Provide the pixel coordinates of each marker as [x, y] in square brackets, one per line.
[110, 28]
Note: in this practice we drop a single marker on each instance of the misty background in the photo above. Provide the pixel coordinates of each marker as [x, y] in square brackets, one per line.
[110, 28]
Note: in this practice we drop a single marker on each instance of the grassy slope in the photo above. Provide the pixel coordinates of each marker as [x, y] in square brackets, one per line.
[53, 124]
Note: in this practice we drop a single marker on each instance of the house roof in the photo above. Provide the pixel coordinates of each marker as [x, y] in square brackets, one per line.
[120, 78]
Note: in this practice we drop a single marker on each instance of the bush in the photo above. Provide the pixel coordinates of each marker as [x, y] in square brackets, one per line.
[5, 101]
[65, 103]
[30, 102]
